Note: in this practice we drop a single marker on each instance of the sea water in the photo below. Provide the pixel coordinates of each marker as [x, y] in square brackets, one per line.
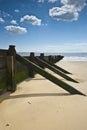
[75, 56]
[67, 56]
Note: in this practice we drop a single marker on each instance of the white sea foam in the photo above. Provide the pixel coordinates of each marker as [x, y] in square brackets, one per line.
[75, 58]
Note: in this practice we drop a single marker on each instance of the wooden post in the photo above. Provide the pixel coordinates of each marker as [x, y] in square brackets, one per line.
[42, 55]
[31, 56]
[31, 71]
[11, 61]
[50, 58]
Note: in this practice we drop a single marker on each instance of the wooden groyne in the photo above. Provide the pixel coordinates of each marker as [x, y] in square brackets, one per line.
[49, 76]
[52, 64]
[17, 68]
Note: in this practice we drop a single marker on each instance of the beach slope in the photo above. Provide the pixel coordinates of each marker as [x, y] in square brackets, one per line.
[38, 104]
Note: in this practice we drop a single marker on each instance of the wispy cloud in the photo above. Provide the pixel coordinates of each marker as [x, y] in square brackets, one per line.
[31, 19]
[4, 14]
[42, 1]
[52, 1]
[13, 22]
[68, 47]
[69, 11]
[16, 10]
[16, 29]
[2, 20]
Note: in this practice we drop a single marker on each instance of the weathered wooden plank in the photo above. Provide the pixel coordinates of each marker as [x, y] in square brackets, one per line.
[2, 62]
[3, 83]
[3, 72]
[56, 66]
[2, 66]
[3, 52]
[20, 67]
[3, 69]
[3, 55]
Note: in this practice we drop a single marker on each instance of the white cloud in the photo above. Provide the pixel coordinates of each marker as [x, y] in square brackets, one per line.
[16, 29]
[69, 11]
[16, 10]
[42, 1]
[78, 4]
[66, 13]
[31, 19]
[2, 20]
[13, 22]
[52, 1]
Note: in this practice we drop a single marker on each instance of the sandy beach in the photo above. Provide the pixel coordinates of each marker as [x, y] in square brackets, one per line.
[38, 104]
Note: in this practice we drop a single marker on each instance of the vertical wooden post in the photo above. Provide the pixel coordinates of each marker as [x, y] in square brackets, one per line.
[31, 71]
[11, 62]
[41, 55]
[50, 57]
[32, 56]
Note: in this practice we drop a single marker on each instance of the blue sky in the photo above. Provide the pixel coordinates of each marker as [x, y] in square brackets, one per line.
[44, 25]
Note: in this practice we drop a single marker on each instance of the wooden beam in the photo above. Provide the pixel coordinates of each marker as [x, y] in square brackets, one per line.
[31, 71]
[45, 64]
[56, 66]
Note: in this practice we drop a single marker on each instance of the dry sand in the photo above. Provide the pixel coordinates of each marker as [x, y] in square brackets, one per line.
[39, 104]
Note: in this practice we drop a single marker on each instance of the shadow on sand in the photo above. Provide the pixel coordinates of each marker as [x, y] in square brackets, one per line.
[9, 96]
